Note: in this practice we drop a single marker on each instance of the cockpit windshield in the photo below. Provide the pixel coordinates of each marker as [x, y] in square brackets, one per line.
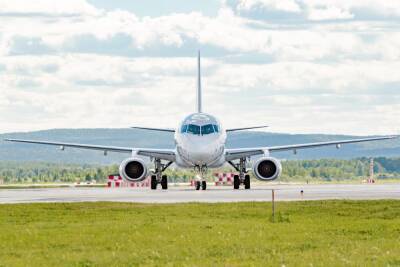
[207, 129]
[193, 129]
[199, 130]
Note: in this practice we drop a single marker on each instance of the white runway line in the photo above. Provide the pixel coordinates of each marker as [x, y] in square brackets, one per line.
[212, 195]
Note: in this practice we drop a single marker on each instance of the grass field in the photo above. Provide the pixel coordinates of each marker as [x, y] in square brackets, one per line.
[309, 233]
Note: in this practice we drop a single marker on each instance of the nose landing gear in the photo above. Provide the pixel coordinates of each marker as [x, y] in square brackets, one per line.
[202, 183]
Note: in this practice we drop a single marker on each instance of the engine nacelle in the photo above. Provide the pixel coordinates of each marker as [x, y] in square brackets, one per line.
[267, 169]
[133, 170]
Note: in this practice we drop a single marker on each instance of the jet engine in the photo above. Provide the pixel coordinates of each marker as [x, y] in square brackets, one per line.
[133, 170]
[267, 169]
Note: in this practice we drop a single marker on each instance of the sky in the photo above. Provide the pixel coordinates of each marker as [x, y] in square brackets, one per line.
[299, 66]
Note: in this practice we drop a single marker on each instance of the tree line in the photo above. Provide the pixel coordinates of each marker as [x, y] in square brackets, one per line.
[293, 170]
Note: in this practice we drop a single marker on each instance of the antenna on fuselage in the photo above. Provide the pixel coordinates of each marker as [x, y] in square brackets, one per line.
[199, 100]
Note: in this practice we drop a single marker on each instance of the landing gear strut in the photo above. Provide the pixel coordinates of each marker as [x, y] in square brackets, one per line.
[202, 183]
[157, 177]
[243, 177]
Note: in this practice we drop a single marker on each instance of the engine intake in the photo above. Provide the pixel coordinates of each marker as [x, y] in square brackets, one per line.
[267, 169]
[133, 170]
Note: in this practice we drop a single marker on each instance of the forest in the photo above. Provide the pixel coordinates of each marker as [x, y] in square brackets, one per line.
[293, 170]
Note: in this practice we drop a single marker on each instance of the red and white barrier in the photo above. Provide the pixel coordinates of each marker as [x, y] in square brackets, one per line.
[117, 181]
[223, 178]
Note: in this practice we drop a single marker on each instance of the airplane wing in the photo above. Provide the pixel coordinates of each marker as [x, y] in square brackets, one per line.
[154, 129]
[232, 154]
[165, 154]
[245, 128]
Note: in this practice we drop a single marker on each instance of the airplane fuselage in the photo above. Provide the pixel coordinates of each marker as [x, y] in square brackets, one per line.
[200, 141]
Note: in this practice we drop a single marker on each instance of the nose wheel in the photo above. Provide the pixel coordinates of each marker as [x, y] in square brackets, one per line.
[201, 184]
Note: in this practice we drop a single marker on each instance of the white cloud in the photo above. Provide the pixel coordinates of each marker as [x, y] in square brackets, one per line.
[377, 7]
[329, 13]
[317, 10]
[78, 66]
[281, 5]
[226, 31]
[280, 93]
[46, 8]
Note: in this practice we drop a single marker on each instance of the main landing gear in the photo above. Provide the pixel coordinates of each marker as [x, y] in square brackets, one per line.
[242, 178]
[163, 181]
[202, 182]
[157, 177]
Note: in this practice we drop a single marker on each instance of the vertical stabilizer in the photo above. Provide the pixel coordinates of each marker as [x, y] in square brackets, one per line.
[199, 97]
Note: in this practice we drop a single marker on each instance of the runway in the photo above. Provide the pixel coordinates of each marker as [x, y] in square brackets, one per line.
[213, 194]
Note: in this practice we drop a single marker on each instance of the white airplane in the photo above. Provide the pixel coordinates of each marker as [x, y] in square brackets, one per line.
[200, 144]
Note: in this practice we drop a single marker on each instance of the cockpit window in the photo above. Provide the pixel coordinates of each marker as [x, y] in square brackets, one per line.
[197, 130]
[207, 129]
[194, 129]
[184, 128]
[216, 128]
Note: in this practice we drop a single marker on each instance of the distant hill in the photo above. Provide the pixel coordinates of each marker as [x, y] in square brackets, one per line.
[150, 139]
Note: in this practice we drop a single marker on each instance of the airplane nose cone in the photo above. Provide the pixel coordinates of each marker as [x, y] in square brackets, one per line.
[199, 156]
[199, 149]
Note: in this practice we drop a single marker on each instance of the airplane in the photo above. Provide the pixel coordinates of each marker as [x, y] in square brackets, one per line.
[200, 144]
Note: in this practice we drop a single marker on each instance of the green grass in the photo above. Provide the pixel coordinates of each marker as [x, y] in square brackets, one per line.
[309, 233]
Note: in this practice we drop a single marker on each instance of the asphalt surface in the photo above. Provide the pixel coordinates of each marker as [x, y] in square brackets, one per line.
[212, 194]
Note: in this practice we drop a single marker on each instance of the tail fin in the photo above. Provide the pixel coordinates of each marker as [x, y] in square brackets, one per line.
[199, 97]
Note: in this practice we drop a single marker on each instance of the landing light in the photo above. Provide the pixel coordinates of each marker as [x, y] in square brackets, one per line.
[338, 146]
[62, 148]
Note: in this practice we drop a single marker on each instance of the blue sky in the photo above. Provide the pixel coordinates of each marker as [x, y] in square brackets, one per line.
[316, 66]
[155, 8]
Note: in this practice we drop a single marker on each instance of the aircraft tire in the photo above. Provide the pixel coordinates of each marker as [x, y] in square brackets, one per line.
[198, 185]
[153, 182]
[247, 181]
[236, 182]
[203, 185]
[164, 182]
